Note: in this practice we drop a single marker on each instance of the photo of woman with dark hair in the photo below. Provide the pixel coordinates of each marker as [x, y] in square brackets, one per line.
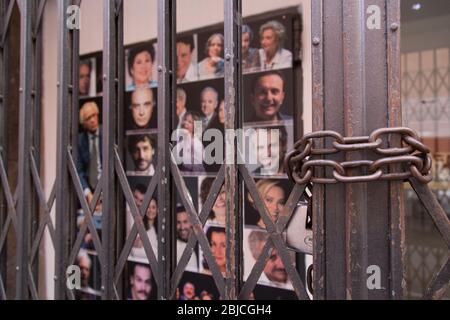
[217, 240]
[140, 66]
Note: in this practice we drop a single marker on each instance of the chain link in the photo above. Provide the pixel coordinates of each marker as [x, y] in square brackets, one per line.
[411, 159]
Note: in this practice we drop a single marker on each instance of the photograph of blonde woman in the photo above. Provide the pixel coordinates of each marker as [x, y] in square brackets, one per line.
[274, 196]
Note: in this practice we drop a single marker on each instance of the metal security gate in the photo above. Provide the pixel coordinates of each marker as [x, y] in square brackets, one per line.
[355, 91]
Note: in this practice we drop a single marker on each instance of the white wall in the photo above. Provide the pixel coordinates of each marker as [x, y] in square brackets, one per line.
[48, 141]
[140, 24]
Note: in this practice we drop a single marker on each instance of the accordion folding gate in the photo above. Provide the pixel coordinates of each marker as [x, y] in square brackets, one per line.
[356, 90]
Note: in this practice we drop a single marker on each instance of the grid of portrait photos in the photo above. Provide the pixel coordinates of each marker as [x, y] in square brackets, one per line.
[88, 165]
[198, 123]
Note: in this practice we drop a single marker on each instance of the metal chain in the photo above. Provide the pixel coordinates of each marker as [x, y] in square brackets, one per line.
[411, 158]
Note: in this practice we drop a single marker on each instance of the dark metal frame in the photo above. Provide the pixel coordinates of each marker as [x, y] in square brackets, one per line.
[346, 206]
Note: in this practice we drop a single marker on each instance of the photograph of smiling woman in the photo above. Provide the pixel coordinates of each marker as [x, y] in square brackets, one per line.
[140, 62]
[272, 55]
[213, 65]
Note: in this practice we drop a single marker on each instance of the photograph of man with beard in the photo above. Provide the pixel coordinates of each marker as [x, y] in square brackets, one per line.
[142, 150]
[274, 273]
[140, 282]
[184, 230]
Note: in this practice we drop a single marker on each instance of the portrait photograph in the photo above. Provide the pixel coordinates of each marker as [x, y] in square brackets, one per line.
[89, 143]
[184, 223]
[140, 62]
[140, 282]
[141, 110]
[211, 54]
[98, 101]
[139, 187]
[187, 58]
[89, 76]
[194, 286]
[274, 192]
[141, 156]
[90, 284]
[273, 41]
[217, 215]
[217, 240]
[199, 108]
[184, 232]
[269, 97]
[274, 273]
[264, 148]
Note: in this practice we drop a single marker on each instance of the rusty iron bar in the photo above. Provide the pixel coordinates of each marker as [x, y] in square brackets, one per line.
[397, 201]
[318, 36]
[233, 104]
[3, 102]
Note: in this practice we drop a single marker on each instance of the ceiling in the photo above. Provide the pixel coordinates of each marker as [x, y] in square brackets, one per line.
[429, 9]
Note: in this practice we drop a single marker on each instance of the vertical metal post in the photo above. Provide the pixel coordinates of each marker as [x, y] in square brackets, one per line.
[355, 125]
[166, 103]
[3, 92]
[74, 113]
[356, 90]
[24, 177]
[36, 123]
[108, 136]
[318, 125]
[397, 201]
[65, 49]
[233, 78]
[121, 218]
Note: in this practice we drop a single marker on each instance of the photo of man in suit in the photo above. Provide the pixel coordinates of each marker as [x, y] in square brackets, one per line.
[209, 100]
[89, 161]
